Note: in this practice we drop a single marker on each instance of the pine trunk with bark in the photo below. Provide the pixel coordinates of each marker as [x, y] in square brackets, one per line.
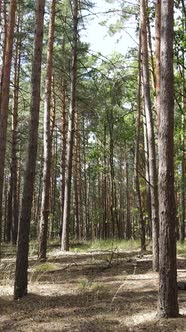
[137, 154]
[64, 146]
[157, 37]
[128, 213]
[70, 134]
[47, 141]
[168, 303]
[183, 127]
[14, 211]
[150, 136]
[5, 90]
[3, 42]
[21, 273]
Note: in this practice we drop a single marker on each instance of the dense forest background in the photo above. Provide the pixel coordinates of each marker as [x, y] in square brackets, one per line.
[79, 131]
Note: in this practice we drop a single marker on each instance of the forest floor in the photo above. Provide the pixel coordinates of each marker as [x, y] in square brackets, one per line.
[92, 291]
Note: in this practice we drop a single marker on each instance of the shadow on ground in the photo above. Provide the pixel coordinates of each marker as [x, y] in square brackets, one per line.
[94, 292]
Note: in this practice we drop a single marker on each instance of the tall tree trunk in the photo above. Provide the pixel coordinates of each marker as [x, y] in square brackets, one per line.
[70, 135]
[54, 183]
[36, 210]
[137, 153]
[84, 230]
[147, 177]
[183, 178]
[157, 36]
[76, 181]
[168, 303]
[104, 186]
[149, 37]
[64, 146]
[3, 42]
[183, 162]
[112, 175]
[5, 231]
[13, 180]
[5, 98]
[47, 141]
[21, 274]
[128, 215]
[150, 136]
[113, 199]
[9, 212]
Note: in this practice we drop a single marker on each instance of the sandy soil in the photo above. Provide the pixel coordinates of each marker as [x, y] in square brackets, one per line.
[88, 292]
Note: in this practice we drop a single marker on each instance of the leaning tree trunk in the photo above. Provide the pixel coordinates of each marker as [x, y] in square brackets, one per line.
[70, 135]
[5, 90]
[47, 141]
[168, 303]
[21, 274]
[150, 136]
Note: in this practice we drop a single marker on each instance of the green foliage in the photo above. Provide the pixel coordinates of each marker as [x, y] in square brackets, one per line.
[109, 244]
[181, 248]
[115, 244]
[44, 267]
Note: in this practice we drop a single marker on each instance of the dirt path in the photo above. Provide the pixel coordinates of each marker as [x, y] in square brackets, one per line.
[88, 292]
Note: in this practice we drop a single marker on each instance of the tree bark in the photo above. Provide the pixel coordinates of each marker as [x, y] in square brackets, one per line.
[128, 213]
[20, 286]
[70, 134]
[3, 42]
[168, 303]
[64, 146]
[183, 162]
[5, 90]
[13, 180]
[183, 178]
[77, 192]
[151, 140]
[47, 141]
[137, 153]
[157, 37]
[149, 37]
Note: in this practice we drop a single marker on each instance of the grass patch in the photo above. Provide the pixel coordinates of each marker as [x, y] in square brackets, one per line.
[41, 269]
[44, 267]
[8, 250]
[51, 245]
[80, 246]
[115, 244]
[83, 284]
[105, 245]
[181, 248]
[87, 285]
[33, 248]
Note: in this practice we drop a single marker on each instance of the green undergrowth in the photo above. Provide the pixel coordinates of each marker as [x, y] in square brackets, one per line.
[106, 245]
[84, 246]
[85, 284]
[47, 266]
[52, 245]
[181, 248]
[40, 269]
[8, 250]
